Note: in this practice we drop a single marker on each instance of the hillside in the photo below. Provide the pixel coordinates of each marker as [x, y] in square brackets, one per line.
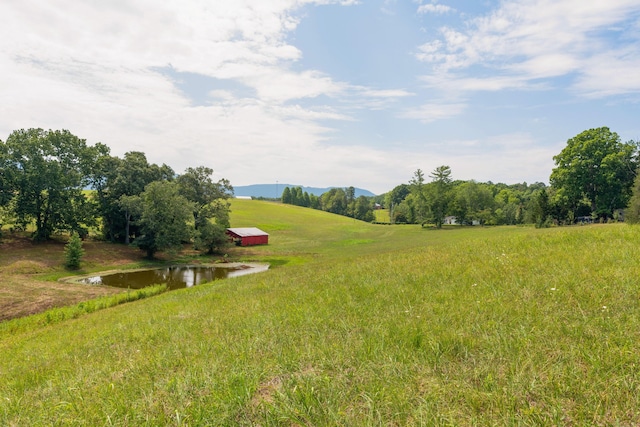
[271, 191]
[356, 324]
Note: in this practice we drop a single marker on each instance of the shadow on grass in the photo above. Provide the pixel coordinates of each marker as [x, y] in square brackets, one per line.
[277, 262]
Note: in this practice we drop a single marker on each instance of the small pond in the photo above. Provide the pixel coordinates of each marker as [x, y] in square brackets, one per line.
[176, 277]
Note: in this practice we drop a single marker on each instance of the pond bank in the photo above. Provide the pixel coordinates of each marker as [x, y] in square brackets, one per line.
[176, 276]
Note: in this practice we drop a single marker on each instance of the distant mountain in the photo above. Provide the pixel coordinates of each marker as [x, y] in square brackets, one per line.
[273, 191]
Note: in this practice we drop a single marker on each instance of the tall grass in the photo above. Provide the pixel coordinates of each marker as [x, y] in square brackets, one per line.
[59, 314]
[378, 326]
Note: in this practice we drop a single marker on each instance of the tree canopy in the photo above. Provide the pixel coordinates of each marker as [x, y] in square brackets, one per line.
[164, 217]
[116, 179]
[595, 169]
[210, 206]
[45, 177]
[44, 174]
[55, 182]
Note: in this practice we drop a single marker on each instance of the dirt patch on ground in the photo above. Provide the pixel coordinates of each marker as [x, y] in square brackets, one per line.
[28, 270]
[22, 295]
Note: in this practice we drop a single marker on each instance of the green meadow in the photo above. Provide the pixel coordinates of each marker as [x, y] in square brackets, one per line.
[355, 324]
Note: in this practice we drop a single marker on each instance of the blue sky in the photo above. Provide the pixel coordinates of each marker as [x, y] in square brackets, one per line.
[325, 92]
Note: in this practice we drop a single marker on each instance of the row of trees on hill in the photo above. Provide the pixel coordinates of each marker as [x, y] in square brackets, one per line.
[463, 202]
[341, 201]
[593, 179]
[44, 177]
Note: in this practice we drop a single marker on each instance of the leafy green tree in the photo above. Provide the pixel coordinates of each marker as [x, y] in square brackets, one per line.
[419, 205]
[164, 218]
[299, 197]
[472, 201]
[632, 212]
[595, 166]
[397, 195]
[73, 252]
[286, 196]
[363, 210]
[197, 186]
[210, 207]
[334, 201]
[132, 208]
[541, 208]
[210, 230]
[6, 190]
[114, 178]
[440, 194]
[314, 201]
[403, 213]
[44, 173]
[509, 204]
[350, 193]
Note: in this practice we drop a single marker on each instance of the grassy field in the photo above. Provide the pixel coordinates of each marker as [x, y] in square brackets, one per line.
[356, 325]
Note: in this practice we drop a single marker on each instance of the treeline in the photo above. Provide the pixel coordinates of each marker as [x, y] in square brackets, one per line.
[44, 177]
[593, 181]
[464, 202]
[337, 200]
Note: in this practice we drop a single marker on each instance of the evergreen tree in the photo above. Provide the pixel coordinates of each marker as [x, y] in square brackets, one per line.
[298, 198]
[440, 194]
[286, 196]
[73, 252]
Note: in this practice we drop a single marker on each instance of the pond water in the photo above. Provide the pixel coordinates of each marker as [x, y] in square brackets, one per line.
[176, 277]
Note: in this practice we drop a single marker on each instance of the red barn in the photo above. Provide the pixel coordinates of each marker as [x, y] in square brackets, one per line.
[248, 236]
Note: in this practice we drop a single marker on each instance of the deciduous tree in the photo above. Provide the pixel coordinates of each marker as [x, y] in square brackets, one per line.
[115, 178]
[197, 186]
[164, 218]
[363, 210]
[210, 207]
[595, 166]
[44, 173]
[334, 201]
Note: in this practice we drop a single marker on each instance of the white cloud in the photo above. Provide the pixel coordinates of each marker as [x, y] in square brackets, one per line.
[526, 40]
[95, 68]
[431, 112]
[89, 68]
[435, 8]
[453, 82]
[619, 69]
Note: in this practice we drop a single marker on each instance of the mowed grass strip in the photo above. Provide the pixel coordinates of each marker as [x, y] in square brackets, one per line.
[393, 326]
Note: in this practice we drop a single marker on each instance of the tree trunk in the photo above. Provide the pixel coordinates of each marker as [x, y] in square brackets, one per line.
[126, 228]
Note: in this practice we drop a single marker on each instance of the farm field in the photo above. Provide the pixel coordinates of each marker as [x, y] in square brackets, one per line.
[356, 325]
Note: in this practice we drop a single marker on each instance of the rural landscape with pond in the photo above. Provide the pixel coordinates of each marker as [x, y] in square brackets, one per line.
[412, 319]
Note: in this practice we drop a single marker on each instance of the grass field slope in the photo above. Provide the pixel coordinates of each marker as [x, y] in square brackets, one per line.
[356, 325]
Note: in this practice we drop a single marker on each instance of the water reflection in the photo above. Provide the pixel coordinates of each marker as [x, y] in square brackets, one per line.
[175, 277]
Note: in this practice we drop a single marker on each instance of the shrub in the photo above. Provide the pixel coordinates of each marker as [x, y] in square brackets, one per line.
[73, 252]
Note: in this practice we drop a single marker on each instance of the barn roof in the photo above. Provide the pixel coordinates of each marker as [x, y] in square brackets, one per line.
[247, 231]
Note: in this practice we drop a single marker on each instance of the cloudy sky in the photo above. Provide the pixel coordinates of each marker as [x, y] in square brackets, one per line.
[325, 92]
